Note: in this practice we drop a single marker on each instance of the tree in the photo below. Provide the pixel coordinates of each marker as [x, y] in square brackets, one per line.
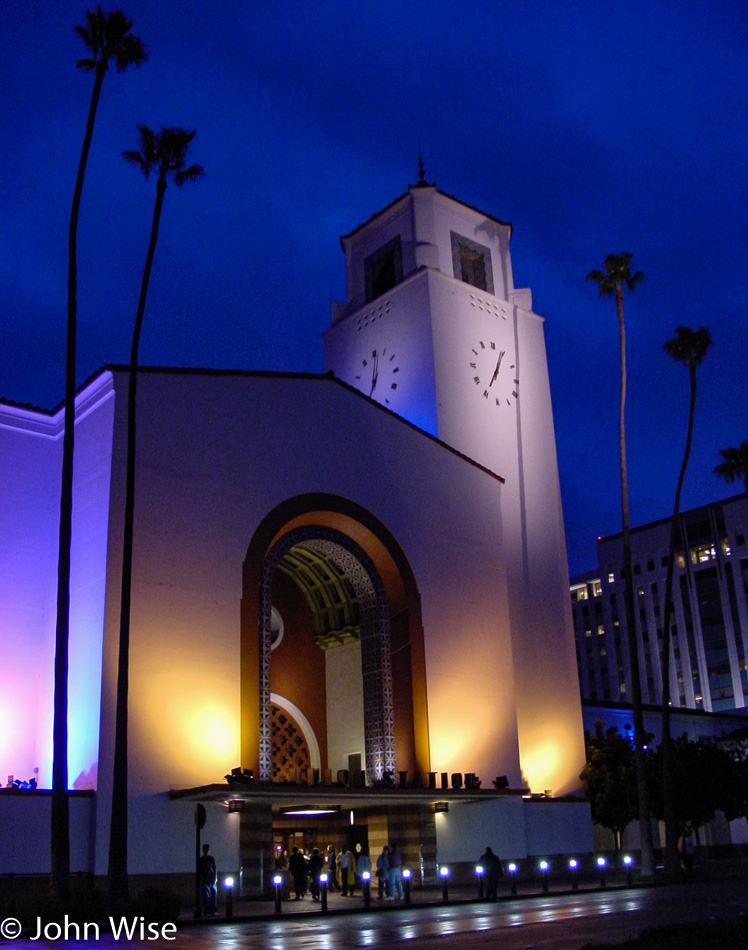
[688, 347]
[611, 282]
[165, 153]
[108, 38]
[707, 778]
[609, 778]
[734, 464]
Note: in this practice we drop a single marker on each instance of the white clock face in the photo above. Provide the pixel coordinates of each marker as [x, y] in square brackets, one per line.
[493, 368]
[379, 374]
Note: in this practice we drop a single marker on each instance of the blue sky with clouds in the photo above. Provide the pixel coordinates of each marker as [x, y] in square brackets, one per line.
[592, 127]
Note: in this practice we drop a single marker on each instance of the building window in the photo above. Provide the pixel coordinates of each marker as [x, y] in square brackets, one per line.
[703, 553]
[597, 588]
[611, 577]
[650, 565]
[740, 540]
[383, 269]
[472, 262]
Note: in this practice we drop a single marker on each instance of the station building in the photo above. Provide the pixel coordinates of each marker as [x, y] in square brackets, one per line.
[350, 586]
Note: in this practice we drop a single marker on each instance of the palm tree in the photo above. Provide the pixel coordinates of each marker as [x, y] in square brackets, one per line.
[688, 347]
[611, 282]
[107, 37]
[165, 153]
[734, 464]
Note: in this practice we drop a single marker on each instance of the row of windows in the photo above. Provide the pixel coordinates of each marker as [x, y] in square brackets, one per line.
[471, 264]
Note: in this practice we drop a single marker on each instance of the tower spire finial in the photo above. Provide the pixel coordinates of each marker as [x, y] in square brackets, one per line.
[421, 183]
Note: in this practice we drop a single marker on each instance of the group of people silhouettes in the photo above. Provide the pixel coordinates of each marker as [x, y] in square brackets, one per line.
[345, 871]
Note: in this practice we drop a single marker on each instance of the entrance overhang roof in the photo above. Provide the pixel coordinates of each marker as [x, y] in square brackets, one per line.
[283, 795]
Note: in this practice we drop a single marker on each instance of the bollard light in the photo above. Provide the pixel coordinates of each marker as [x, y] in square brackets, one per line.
[628, 862]
[444, 875]
[229, 887]
[573, 865]
[512, 868]
[480, 871]
[278, 885]
[544, 871]
[323, 892]
[406, 885]
[602, 864]
[366, 887]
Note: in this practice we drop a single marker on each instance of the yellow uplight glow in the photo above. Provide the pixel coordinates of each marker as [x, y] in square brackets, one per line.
[189, 729]
[541, 766]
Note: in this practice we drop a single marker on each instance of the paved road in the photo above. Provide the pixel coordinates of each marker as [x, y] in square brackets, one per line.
[560, 922]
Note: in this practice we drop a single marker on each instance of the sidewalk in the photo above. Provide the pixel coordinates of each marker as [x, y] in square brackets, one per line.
[430, 896]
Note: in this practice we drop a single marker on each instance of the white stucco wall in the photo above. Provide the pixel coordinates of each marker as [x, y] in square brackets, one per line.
[216, 453]
[30, 473]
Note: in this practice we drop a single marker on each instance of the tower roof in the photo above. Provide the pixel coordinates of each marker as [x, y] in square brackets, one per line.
[421, 185]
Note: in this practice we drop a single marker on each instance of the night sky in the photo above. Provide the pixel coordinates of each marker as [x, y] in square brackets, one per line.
[593, 128]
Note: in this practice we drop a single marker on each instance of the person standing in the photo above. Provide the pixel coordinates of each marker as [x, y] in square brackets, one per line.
[332, 869]
[363, 866]
[383, 870]
[343, 859]
[206, 870]
[395, 878]
[297, 867]
[316, 863]
[492, 871]
[351, 873]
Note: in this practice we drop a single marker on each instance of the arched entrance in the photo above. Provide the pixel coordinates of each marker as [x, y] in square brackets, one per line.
[361, 594]
[336, 553]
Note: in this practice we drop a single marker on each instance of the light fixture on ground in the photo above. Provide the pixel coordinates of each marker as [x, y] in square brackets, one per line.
[480, 871]
[406, 884]
[628, 863]
[444, 875]
[228, 886]
[278, 887]
[366, 887]
[602, 864]
[323, 892]
[573, 865]
[544, 871]
[512, 868]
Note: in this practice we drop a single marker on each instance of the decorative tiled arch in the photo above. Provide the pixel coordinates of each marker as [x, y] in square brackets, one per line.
[352, 560]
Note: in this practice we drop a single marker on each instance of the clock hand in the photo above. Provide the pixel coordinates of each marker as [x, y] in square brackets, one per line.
[374, 373]
[498, 366]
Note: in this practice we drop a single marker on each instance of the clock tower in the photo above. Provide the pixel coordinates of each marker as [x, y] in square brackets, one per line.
[434, 329]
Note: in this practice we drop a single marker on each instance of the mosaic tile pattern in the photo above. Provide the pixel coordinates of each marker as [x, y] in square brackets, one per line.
[289, 749]
[379, 717]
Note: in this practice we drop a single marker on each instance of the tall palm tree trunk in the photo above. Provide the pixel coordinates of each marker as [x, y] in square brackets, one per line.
[118, 875]
[60, 818]
[645, 825]
[672, 861]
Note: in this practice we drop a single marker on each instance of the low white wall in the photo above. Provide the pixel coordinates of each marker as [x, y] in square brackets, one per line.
[25, 832]
[514, 828]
